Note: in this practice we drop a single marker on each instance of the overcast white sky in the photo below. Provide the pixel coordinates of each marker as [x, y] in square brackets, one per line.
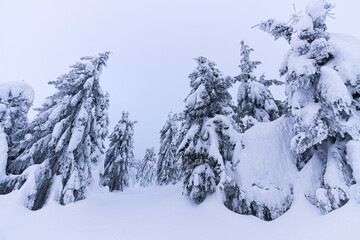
[153, 44]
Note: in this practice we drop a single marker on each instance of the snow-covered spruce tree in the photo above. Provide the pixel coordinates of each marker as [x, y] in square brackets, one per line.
[206, 132]
[167, 167]
[65, 143]
[322, 87]
[147, 170]
[255, 101]
[16, 99]
[120, 155]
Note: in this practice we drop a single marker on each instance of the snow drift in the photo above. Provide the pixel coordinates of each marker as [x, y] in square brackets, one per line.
[265, 171]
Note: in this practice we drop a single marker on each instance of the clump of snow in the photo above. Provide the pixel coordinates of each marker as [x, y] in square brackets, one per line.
[195, 99]
[346, 57]
[16, 89]
[333, 90]
[304, 23]
[308, 113]
[190, 133]
[318, 9]
[300, 98]
[301, 64]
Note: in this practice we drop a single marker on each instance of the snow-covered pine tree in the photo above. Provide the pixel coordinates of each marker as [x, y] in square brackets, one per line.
[322, 87]
[255, 101]
[168, 167]
[147, 169]
[16, 98]
[65, 143]
[120, 155]
[206, 132]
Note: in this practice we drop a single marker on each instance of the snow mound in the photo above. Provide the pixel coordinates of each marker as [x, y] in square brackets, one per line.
[266, 172]
[266, 155]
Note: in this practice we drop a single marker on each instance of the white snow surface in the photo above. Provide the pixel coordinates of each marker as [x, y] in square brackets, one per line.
[265, 171]
[161, 213]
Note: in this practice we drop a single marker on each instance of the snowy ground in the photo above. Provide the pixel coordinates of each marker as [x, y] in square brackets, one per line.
[163, 213]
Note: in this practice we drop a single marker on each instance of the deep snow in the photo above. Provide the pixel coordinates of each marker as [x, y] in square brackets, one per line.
[163, 213]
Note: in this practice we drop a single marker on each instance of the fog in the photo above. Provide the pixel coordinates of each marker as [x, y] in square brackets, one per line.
[153, 45]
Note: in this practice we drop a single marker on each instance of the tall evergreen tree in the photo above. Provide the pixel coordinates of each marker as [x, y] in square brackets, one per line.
[168, 168]
[120, 155]
[205, 144]
[65, 142]
[255, 101]
[324, 102]
[147, 169]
